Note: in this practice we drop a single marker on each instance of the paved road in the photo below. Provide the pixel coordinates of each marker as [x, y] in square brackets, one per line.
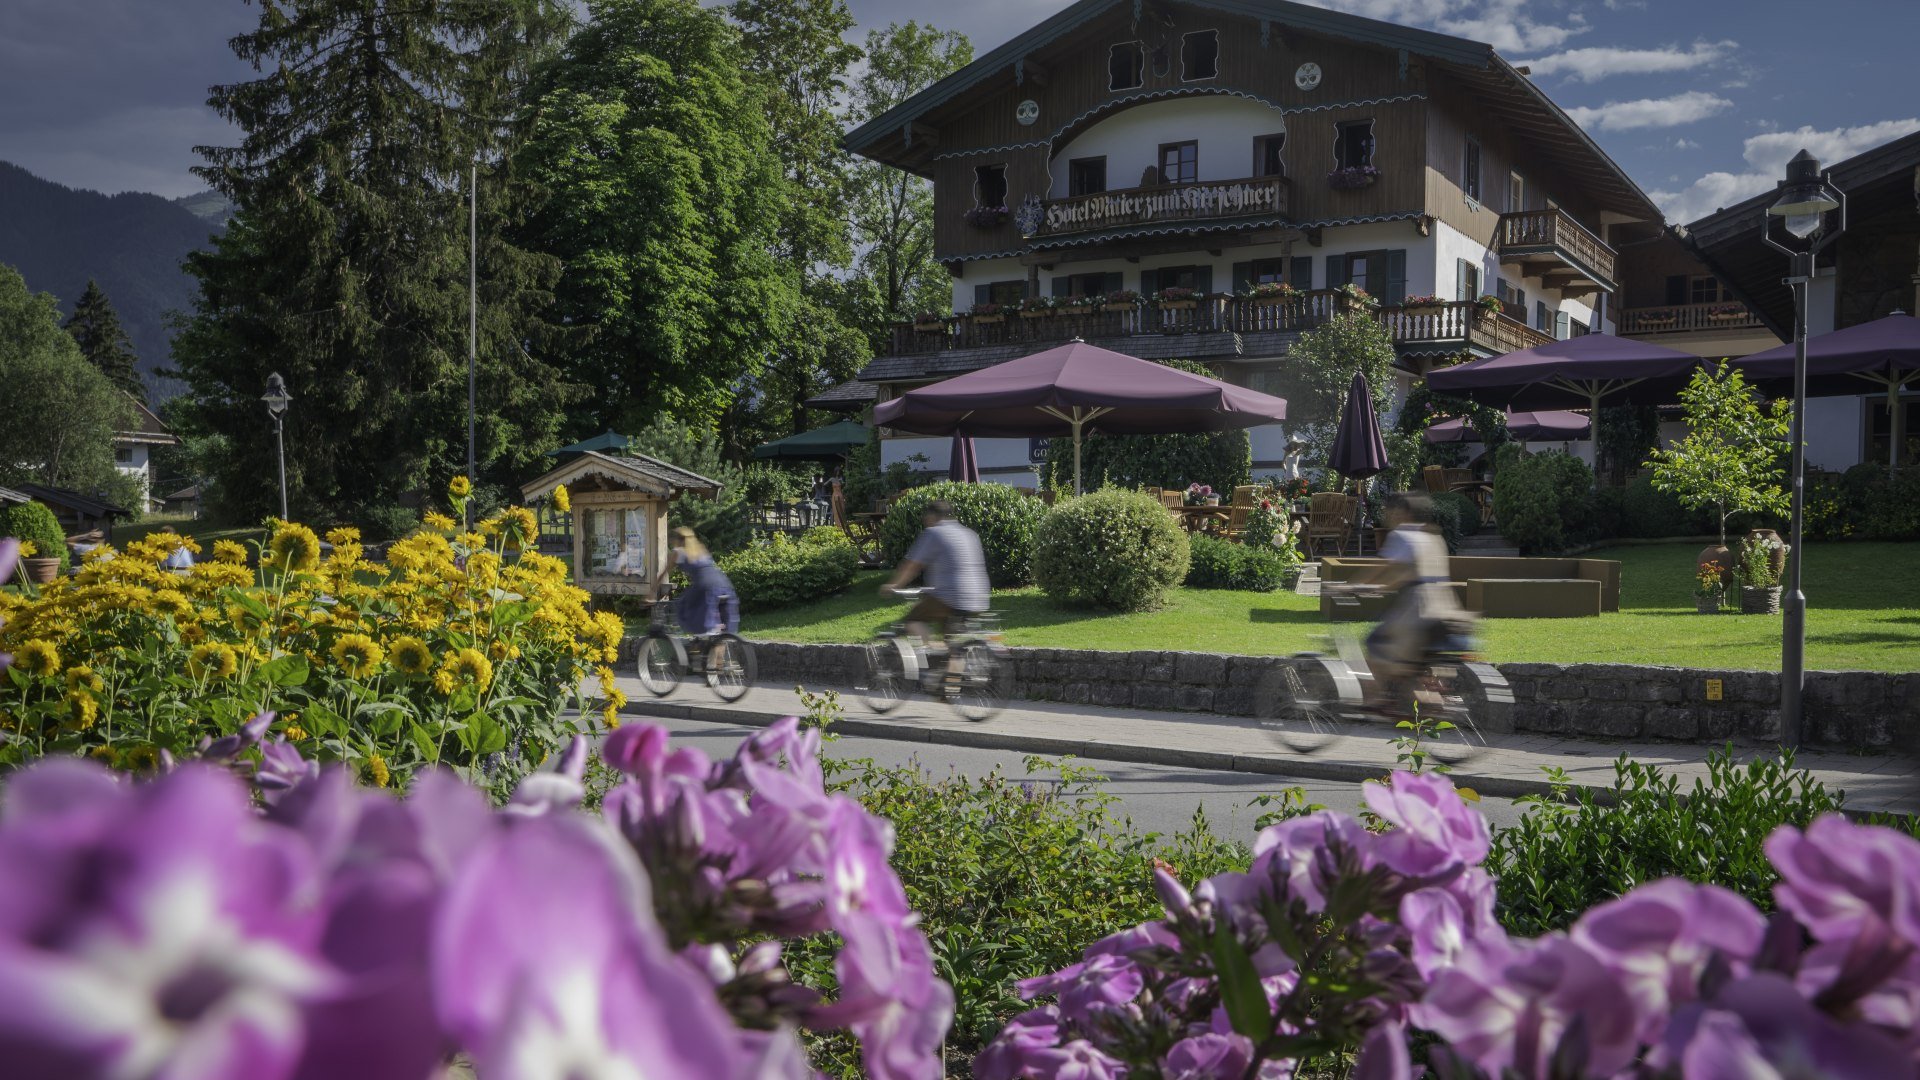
[1158, 798]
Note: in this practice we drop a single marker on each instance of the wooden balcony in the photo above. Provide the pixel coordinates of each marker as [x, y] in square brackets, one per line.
[1686, 318]
[1550, 245]
[1264, 196]
[1455, 323]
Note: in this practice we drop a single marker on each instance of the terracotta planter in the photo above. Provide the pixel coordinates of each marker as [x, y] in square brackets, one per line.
[1759, 599]
[1707, 605]
[1779, 560]
[1718, 553]
[41, 571]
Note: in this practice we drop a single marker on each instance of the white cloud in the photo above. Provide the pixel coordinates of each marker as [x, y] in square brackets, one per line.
[1507, 25]
[1594, 64]
[1687, 108]
[1685, 144]
[1766, 156]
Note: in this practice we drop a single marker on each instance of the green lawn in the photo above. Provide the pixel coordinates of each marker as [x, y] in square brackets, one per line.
[204, 531]
[1864, 614]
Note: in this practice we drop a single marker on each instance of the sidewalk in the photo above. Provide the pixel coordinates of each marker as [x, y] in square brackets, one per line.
[1511, 766]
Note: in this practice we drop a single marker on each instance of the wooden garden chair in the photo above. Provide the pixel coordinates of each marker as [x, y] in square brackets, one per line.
[1435, 478]
[1329, 521]
[1243, 494]
[1237, 520]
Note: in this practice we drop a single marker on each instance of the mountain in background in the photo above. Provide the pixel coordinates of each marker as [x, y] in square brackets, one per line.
[132, 244]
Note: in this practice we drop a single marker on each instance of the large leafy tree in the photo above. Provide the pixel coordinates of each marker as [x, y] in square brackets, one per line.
[1731, 457]
[61, 412]
[662, 196]
[96, 329]
[891, 210]
[345, 267]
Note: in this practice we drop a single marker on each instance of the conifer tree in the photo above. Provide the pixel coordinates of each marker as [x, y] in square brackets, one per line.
[96, 328]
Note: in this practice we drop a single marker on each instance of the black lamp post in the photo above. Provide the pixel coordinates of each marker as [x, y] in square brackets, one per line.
[276, 398]
[1802, 208]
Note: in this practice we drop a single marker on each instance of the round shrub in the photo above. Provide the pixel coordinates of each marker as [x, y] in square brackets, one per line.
[1004, 518]
[1543, 502]
[1224, 564]
[1111, 549]
[33, 521]
[784, 570]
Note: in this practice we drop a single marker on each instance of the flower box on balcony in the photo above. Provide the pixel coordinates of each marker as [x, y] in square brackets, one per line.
[989, 319]
[1353, 178]
[1422, 307]
[1176, 298]
[1046, 314]
[1178, 305]
[1118, 307]
[1726, 314]
[986, 217]
[929, 327]
[989, 313]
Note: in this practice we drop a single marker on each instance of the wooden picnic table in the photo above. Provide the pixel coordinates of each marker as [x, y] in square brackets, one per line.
[1202, 518]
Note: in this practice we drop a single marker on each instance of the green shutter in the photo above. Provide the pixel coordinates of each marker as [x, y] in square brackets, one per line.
[1242, 277]
[1301, 276]
[1114, 282]
[1463, 280]
[1396, 277]
[1149, 282]
[1560, 325]
[1336, 271]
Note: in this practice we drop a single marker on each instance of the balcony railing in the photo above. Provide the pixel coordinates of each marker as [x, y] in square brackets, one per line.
[1685, 318]
[1531, 235]
[1451, 323]
[1265, 195]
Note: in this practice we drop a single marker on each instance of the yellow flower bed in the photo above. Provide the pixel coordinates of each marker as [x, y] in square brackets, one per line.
[459, 649]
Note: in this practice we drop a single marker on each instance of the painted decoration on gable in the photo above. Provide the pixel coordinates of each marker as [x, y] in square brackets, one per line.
[1307, 75]
[1027, 111]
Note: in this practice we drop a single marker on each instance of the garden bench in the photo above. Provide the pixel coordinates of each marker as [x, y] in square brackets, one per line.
[1532, 598]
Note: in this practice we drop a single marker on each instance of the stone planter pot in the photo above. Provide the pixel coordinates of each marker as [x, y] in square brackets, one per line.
[1707, 605]
[1759, 599]
[41, 571]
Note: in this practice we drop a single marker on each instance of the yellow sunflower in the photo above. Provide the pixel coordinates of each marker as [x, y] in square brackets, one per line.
[377, 771]
[37, 658]
[294, 547]
[141, 759]
[295, 733]
[518, 527]
[81, 677]
[459, 487]
[226, 551]
[443, 682]
[471, 666]
[82, 710]
[562, 501]
[213, 660]
[358, 655]
[409, 655]
[28, 549]
[438, 522]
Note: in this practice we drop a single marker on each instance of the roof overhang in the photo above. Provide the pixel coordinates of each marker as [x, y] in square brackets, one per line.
[636, 471]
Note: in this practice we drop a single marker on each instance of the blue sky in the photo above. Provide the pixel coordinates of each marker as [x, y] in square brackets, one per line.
[1701, 101]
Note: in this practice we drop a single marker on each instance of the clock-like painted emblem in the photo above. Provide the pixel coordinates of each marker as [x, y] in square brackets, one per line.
[1307, 75]
[1027, 111]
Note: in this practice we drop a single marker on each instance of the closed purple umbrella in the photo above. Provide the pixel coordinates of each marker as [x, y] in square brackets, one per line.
[1542, 426]
[962, 466]
[1358, 450]
[1073, 389]
[1878, 356]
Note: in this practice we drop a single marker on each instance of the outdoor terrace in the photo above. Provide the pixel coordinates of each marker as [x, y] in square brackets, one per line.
[1551, 245]
[1687, 318]
[1454, 323]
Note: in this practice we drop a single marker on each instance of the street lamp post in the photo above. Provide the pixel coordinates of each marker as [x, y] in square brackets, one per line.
[1802, 208]
[276, 398]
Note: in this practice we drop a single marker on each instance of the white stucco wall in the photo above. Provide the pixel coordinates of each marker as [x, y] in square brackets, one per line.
[137, 466]
[1225, 128]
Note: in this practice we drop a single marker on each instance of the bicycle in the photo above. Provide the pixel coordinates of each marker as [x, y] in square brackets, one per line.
[725, 660]
[1310, 699]
[897, 663]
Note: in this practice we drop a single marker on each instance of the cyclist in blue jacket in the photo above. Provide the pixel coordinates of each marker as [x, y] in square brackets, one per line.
[708, 605]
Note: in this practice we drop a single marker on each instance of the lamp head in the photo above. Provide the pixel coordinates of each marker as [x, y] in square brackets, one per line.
[276, 396]
[1804, 198]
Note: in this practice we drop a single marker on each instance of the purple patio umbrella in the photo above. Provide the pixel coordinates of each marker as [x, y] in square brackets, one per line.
[1358, 450]
[962, 466]
[1543, 426]
[1585, 370]
[1074, 389]
[1882, 355]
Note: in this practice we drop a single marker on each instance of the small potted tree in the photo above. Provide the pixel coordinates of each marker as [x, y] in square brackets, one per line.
[1730, 459]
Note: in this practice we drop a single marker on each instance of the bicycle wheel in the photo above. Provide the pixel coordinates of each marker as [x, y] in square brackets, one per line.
[730, 667]
[888, 675]
[986, 682]
[1300, 701]
[1472, 698]
[661, 664]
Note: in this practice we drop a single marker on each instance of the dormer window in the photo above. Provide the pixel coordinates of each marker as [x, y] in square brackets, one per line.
[1126, 66]
[1200, 56]
[1353, 144]
[990, 186]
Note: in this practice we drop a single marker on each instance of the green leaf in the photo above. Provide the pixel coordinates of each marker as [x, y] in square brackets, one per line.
[1240, 989]
[288, 670]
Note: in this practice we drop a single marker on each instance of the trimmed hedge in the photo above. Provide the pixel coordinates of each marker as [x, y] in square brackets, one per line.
[1111, 549]
[33, 521]
[1004, 518]
[1543, 502]
[783, 570]
[1224, 564]
[1457, 516]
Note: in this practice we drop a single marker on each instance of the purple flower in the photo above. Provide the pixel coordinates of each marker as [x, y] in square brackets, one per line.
[1507, 1004]
[1208, 1057]
[1078, 1060]
[1290, 856]
[861, 881]
[560, 788]
[548, 962]
[281, 768]
[9, 557]
[1760, 1028]
[227, 747]
[1660, 939]
[1010, 1054]
[1435, 831]
[1837, 876]
[1383, 1054]
[1096, 982]
[1437, 927]
[891, 999]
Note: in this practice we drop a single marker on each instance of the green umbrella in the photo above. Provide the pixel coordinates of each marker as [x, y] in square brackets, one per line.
[829, 443]
[610, 443]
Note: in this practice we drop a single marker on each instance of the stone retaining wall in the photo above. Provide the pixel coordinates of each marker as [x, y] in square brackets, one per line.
[1863, 709]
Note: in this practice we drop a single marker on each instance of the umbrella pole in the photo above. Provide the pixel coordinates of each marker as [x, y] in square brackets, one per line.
[1896, 428]
[1593, 426]
[1076, 451]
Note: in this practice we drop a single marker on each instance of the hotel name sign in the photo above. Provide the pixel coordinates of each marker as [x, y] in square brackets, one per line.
[1181, 202]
